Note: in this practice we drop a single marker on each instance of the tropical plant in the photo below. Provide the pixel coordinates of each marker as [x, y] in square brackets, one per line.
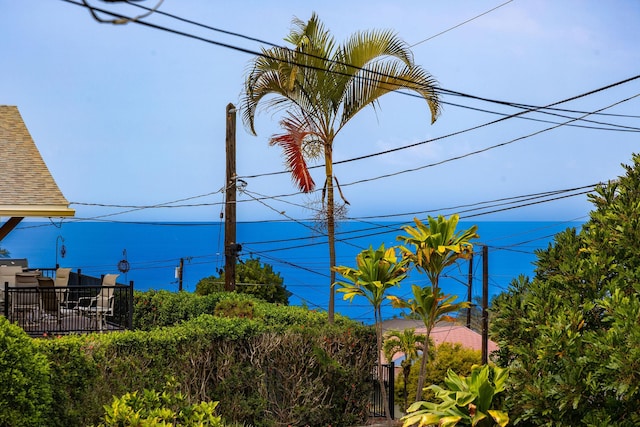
[151, 408]
[252, 277]
[4, 253]
[570, 335]
[469, 401]
[432, 248]
[322, 86]
[431, 308]
[377, 271]
[443, 357]
[408, 343]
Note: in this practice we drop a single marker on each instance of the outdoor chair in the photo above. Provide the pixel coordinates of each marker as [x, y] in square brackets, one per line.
[61, 283]
[100, 306]
[49, 299]
[26, 299]
[7, 275]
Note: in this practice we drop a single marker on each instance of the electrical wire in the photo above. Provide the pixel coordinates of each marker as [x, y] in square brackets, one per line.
[461, 24]
[460, 132]
[262, 54]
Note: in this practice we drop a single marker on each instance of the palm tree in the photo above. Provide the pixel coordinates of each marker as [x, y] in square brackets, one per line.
[377, 271]
[432, 248]
[407, 343]
[432, 308]
[322, 86]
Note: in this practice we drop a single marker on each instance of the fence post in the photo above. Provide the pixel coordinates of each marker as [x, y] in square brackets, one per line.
[5, 307]
[391, 395]
[130, 320]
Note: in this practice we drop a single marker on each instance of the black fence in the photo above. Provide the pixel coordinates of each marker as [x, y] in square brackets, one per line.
[85, 305]
[376, 408]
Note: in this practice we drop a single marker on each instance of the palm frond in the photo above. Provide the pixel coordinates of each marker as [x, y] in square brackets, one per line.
[292, 142]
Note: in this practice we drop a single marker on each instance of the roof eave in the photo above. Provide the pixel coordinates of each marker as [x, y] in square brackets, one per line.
[36, 211]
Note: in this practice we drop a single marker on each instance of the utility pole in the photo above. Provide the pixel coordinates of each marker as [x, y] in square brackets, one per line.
[230, 246]
[180, 269]
[469, 294]
[485, 304]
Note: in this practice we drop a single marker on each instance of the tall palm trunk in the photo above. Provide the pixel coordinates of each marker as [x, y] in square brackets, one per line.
[425, 354]
[423, 366]
[331, 227]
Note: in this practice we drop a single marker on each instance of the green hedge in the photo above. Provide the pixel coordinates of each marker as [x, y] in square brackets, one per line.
[25, 389]
[154, 309]
[285, 367]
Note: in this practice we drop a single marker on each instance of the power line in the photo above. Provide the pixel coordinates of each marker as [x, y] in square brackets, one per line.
[416, 144]
[461, 24]
[262, 54]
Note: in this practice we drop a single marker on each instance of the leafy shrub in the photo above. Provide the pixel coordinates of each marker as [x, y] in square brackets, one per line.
[163, 308]
[469, 401]
[447, 356]
[570, 334]
[154, 309]
[261, 374]
[151, 408]
[233, 308]
[73, 373]
[25, 391]
[253, 278]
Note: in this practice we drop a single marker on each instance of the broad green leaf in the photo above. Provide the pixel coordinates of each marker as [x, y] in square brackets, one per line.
[500, 417]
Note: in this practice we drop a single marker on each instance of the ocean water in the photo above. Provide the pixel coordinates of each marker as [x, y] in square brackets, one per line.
[297, 251]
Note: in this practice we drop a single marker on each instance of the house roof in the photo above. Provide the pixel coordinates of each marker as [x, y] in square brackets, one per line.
[28, 189]
[444, 332]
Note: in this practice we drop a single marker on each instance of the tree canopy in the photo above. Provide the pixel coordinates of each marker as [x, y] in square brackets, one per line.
[322, 85]
[571, 335]
[252, 277]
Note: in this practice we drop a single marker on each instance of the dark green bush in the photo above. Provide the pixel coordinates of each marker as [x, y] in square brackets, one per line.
[25, 390]
[262, 374]
[232, 308]
[253, 278]
[73, 372]
[163, 308]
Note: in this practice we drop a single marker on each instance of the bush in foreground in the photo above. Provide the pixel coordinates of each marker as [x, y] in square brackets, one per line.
[25, 391]
[284, 366]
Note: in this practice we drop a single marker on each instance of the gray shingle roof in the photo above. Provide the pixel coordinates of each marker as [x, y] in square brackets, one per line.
[26, 185]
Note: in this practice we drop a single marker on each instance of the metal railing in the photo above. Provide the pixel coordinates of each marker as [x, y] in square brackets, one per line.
[83, 306]
[376, 408]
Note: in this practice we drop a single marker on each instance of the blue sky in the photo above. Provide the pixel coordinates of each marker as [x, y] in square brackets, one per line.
[132, 116]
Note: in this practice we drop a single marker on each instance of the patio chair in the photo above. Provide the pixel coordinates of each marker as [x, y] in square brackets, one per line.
[26, 299]
[100, 306]
[61, 283]
[7, 275]
[49, 299]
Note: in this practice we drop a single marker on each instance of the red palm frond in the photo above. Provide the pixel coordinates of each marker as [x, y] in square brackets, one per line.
[291, 142]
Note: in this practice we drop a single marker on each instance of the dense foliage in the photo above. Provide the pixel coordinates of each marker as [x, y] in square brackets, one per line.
[283, 366]
[151, 408]
[464, 400]
[25, 390]
[444, 357]
[571, 335]
[253, 278]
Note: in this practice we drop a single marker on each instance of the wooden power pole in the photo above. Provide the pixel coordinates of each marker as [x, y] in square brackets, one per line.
[485, 304]
[230, 247]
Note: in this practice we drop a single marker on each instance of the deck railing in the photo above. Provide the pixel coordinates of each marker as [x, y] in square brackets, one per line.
[83, 306]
